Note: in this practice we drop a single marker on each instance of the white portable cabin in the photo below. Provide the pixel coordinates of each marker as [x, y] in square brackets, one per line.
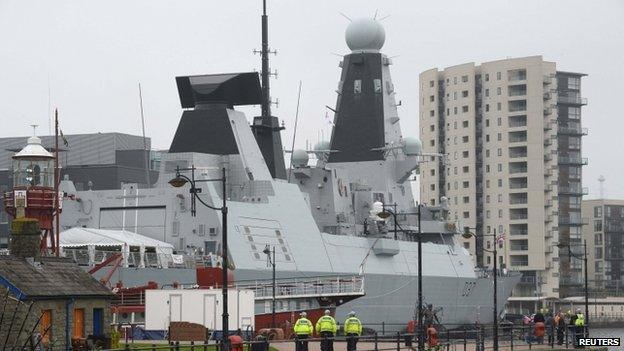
[202, 306]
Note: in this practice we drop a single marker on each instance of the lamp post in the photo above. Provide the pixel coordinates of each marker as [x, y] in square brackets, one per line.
[383, 212]
[467, 234]
[267, 251]
[179, 181]
[586, 280]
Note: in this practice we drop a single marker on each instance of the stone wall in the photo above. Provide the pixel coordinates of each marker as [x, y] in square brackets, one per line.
[59, 330]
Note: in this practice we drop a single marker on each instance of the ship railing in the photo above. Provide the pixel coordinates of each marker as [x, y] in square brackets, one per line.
[347, 285]
[150, 259]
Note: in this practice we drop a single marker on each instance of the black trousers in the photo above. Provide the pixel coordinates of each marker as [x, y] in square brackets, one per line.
[560, 333]
[327, 344]
[301, 342]
[408, 340]
[352, 340]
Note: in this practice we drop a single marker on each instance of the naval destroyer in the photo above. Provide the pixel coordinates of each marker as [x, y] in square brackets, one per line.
[320, 216]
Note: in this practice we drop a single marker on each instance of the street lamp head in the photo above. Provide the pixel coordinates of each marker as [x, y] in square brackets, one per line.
[379, 211]
[467, 234]
[267, 250]
[178, 182]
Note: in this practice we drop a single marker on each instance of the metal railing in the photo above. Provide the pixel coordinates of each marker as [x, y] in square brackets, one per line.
[300, 287]
[457, 338]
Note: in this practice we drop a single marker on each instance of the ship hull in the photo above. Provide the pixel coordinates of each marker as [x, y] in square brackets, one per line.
[390, 300]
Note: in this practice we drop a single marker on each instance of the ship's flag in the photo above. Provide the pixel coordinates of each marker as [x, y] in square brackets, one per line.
[500, 239]
[65, 142]
[328, 119]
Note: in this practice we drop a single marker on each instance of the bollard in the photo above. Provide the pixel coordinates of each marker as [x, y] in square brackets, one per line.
[566, 335]
[127, 347]
[205, 345]
[398, 341]
[153, 347]
[511, 338]
[376, 348]
[192, 345]
[383, 328]
[266, 344]
[177, 346]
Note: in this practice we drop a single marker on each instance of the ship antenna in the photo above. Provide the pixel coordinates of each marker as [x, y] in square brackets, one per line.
[147, 171]
[266, 72]
[292, 149]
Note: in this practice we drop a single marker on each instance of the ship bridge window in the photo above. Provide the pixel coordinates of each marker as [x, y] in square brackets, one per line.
[377, 85]
[357, 86]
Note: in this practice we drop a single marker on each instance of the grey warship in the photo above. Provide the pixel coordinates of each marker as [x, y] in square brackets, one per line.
[319, 215]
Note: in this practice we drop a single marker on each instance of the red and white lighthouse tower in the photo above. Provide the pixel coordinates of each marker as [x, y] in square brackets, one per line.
[33, 194]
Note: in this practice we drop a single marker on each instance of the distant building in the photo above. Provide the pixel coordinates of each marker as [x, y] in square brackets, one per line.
[605, 243]
[511, 130]
[98, 161]
[71, 303]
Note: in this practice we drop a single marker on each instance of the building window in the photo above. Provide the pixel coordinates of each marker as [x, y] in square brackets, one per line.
[487, 77]
[498, 76]
[574, 83]
[500, 197]
[466, 199]
[467, 245]
[466, 184]
[357, 86]
[499, 152]
[432, 172]
[487, 185]
[499, 106]
[465, 139]
[487, 92]
[500, 213]
[465, 154]
[487, 199]
[598, 226]
[499, 121]
[465, 169]
[454, 110]
[487, 138]
[432, 127]
[487, 214]
[598, 239]
[598, 211]
[454, 95]
[432, 98]
[498, 91]
[455, 125]
[431, 84]
[465, 108]
[500, 137]
[432, 113]
[598, 255]
[465, 124]
[432, 142]
[487, 151]
[487, 107]
[465, 93]
[454, 80]
[500, 167]
[500, 183]
[464, 79]
[466, 214]
[487, 122]
[432, 187]
[487, 168]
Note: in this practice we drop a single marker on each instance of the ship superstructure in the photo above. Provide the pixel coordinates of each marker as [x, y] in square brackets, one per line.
[321, 224]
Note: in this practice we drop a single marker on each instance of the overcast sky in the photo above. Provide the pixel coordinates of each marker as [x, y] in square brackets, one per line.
[91, 56]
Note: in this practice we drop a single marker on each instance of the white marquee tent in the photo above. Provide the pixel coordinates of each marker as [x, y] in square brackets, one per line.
[119, 240]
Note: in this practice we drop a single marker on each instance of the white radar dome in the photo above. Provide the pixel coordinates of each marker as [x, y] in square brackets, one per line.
[412, 146]
[365, 34]
[300, 158]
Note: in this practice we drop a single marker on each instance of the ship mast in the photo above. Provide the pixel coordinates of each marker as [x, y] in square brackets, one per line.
[266, 128]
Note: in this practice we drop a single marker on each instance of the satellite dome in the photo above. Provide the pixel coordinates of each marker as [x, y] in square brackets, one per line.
[299, 158]
[412, 146]
[33, 149]
[365, 34]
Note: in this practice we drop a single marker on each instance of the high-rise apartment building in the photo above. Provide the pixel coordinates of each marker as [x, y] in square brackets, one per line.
[511, 131]
[605, 243]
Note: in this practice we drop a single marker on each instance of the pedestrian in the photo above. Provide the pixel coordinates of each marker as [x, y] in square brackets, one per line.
[326, 327]
[539, 330]
[572, 327]
[550, 328]
[579, 327]
[353, 330]
[432, 337]
[236, 341]
[559, 323]
[409, 336]
[303, 329]
[539, 317]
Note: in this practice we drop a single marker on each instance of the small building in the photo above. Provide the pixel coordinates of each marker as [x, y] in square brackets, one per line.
[49, 295]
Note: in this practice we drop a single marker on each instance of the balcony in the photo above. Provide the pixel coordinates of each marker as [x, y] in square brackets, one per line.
[567, 160]
[571, 99]
[547, 111]
[548, 203]
[575, 131]
[573, 222]
[547, 96]
[573, 190]
[547, 80]
[548, 142]
[548, 158]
